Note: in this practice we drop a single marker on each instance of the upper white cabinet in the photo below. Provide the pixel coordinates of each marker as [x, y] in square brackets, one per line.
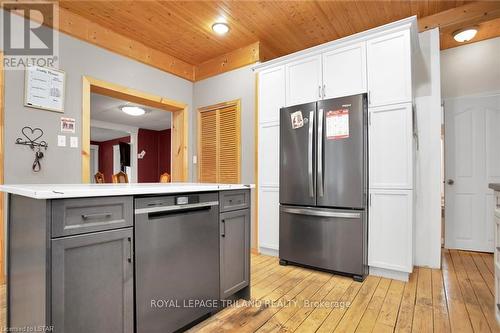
[391, 147]
[271, 94]
[389, 69]
[344, 71]
[303, 80]
[390, 230]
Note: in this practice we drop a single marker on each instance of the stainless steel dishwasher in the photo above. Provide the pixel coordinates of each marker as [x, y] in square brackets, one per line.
[177, 260]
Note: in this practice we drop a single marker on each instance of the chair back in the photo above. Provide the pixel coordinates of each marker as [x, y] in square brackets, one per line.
[120, 177]
[99, 178]
[165, 178]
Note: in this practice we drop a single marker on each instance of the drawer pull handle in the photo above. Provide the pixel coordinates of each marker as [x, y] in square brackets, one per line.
[130, 249]
[96, 216]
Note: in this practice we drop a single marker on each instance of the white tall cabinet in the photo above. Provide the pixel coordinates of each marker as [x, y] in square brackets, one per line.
[378, 62]
[271, 97]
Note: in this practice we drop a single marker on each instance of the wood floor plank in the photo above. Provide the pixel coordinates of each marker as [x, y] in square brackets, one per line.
[423, 313]
[488, 277]
[280, 317]
[488, 261]
[440, 308]
[405, 317]
[336, 314]
[369, 318]
[483, 294]
[320, 313]
[479, 323]
[307, 306]
[390, 308]
[459, 317]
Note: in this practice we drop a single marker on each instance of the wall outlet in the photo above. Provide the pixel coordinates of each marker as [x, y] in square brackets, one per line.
[61, 140]
[73, 142]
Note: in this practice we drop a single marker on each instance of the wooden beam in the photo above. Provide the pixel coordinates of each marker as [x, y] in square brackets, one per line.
[227, 62]
[477, 12]
[84, 29]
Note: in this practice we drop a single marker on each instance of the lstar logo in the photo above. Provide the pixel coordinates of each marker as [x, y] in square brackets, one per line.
[29, 34]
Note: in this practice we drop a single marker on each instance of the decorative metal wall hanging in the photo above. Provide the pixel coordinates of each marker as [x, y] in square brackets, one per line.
[31, 139]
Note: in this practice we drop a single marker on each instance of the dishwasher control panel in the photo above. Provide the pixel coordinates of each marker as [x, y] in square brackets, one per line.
[187, 199]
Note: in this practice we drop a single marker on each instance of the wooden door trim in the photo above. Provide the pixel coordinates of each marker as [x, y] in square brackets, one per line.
[2, 206]
[180, 119]
[237, 105]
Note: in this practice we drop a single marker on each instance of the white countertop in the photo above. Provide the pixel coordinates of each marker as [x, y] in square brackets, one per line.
[57, 191]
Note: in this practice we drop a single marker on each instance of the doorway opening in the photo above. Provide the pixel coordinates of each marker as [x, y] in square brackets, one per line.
[93, 90]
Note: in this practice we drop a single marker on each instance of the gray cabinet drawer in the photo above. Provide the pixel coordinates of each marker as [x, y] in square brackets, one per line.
[78, 216]
[234, 200]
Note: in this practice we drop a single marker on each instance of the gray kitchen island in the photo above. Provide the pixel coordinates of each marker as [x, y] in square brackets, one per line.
[125, 257]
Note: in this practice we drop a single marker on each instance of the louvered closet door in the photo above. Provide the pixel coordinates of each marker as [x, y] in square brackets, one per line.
[220, 145]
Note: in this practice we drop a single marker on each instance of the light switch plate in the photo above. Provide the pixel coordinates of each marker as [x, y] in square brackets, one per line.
[73, 142]
[61, 140]
[195, 159]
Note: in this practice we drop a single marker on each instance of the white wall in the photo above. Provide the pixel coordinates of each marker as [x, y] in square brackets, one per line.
[236, 84]
[427, 233]
[471, 69]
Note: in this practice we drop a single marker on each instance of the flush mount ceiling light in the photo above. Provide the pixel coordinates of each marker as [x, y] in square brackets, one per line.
[465, 35]
[133, 110]
[220, 28]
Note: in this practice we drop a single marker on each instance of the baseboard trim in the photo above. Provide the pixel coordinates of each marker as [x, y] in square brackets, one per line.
[390, 274]
[268, 252]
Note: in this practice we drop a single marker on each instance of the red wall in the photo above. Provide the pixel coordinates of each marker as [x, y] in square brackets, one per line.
[106, 156]
[156, 144]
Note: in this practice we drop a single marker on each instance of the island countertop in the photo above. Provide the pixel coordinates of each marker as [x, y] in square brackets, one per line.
[60, 191]
[494, 186]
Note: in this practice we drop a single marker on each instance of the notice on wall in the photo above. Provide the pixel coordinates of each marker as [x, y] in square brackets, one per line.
[337, 124]
[297, 119]
[67, 125]
[44, 88]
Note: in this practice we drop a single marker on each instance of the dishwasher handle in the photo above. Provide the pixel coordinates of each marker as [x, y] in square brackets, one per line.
[176, 208]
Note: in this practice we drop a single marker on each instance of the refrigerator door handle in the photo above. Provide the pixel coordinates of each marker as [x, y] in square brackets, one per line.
[321, 213]
[310, 154]
[320, 153]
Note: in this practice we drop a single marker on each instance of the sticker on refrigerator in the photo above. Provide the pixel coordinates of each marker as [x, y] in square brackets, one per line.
[337, 124]
[297, 120]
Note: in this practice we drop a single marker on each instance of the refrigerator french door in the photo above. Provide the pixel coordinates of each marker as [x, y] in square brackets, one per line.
[323, 185]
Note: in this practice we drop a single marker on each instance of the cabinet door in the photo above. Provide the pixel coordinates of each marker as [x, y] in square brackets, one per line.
[390, 229]
[389, 69]
[303, 81]
[391, 147]
[92, 282]
[271, 94]
[344, 71]
[234, 251]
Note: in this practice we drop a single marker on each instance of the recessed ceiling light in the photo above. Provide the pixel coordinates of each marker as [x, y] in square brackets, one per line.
[133, 110]
[220, 28]
[465, 35]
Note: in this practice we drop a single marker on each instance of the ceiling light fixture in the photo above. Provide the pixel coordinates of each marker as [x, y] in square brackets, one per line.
[465, 35]
[220, 28]
[133, 110]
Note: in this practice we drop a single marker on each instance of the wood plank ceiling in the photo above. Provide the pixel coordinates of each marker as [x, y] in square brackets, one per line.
[183, 28]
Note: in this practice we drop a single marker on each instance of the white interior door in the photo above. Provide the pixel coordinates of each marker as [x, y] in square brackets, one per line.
[472, 161]
[116, 159]
[94, 161]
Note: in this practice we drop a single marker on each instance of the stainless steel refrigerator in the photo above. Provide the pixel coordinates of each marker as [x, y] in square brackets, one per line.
[324, 185]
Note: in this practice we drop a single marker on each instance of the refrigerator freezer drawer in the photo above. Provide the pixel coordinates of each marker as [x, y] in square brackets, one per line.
[324, 238]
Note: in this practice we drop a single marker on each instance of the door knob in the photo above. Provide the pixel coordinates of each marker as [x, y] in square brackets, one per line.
[450, 182]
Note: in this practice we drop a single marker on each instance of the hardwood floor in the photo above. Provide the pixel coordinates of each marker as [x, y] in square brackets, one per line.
[458, 298]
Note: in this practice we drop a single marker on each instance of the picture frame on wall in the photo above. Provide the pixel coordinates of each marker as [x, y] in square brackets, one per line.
[44, 88]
